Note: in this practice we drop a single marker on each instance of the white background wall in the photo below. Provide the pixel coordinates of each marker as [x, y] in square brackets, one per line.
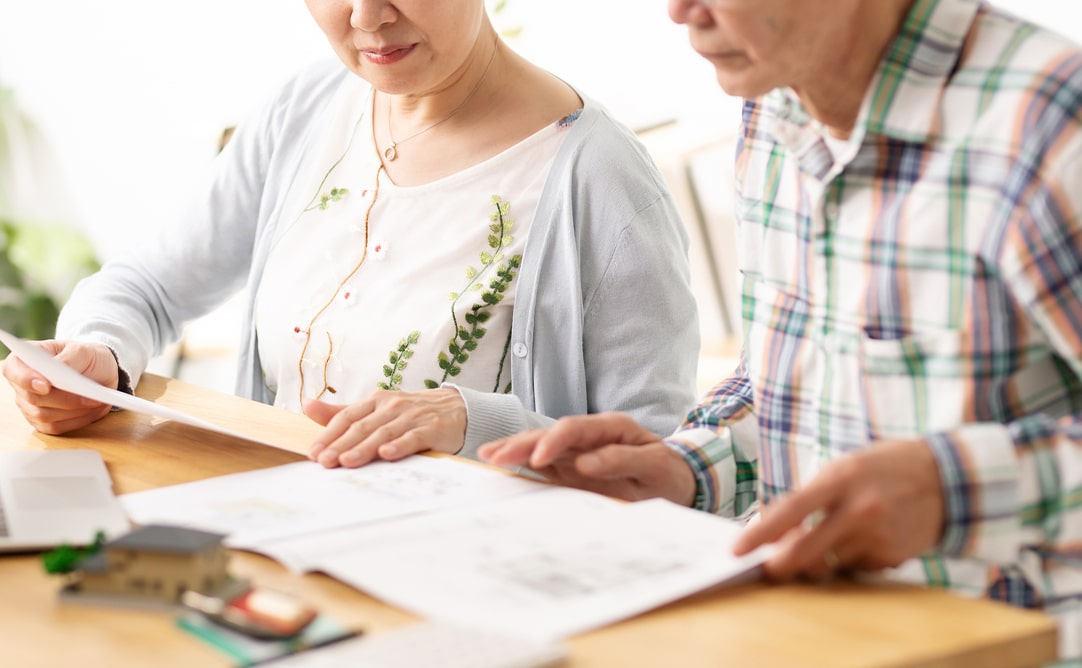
[132, 94]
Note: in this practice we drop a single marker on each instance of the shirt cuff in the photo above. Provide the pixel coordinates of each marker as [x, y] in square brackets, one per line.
[979, 474]
[709, 454]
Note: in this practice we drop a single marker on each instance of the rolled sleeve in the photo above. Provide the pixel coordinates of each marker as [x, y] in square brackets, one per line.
[979, 474]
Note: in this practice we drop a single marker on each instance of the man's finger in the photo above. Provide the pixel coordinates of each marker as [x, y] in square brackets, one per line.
[615, 462]
[512, 451]
[788, 513]
[819, 549]
[587, 432]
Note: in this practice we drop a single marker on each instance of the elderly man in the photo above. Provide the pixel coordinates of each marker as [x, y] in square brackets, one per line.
[909, 193]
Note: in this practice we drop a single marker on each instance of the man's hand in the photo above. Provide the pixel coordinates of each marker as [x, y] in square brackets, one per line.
[878, 508]
[54, 411]
[607, 453]
[388, 425]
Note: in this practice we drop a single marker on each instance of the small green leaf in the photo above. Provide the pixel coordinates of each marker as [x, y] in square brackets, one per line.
[486, 257]
[387, 371]
[471, 273]
[493, 241]
[431, 384]
[454, 371]
[470, 345]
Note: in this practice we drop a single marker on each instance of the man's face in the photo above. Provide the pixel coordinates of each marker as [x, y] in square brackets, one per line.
[759, 45]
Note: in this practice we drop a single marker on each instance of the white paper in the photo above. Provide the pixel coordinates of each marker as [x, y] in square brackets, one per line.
[553, 564]
[284, 511]
[64, 377]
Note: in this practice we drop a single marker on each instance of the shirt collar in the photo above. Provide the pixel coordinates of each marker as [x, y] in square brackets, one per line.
[904, 97]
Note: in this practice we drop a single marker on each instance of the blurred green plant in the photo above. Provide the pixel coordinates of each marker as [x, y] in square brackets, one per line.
[39, 266]
[65, 558]
[41, 258]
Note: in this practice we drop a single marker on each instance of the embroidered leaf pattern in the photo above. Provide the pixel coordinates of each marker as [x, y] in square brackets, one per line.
[334, 195]
[503, 361]
[469, 333]
[397, 362]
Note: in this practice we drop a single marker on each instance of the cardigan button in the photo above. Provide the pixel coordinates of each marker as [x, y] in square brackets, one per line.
[519, 350]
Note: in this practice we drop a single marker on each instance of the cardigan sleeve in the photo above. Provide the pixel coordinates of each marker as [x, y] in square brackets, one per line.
[140, 301]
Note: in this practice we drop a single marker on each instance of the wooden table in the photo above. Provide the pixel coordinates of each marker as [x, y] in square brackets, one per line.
[837, 625]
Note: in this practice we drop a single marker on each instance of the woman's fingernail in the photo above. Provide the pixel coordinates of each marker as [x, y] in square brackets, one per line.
[39, 386]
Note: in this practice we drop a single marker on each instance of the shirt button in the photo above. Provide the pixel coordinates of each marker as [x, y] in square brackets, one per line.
[831, 210]
[519, 350]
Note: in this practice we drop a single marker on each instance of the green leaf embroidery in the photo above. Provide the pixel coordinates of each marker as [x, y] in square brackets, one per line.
[467, 338]
[335, 195]
[398, 358]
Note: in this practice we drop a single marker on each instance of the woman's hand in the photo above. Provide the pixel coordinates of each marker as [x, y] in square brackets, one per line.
[54, 411]
[388, 425]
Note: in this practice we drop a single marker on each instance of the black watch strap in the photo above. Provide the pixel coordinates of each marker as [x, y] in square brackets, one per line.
[123, 379]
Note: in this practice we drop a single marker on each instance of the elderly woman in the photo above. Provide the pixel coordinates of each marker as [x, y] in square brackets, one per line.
[441, 242]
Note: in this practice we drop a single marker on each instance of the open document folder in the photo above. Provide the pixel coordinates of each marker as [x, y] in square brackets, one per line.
[70, 380]
[451, 541]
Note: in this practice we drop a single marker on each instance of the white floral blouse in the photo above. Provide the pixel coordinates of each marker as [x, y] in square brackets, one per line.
[376, 286]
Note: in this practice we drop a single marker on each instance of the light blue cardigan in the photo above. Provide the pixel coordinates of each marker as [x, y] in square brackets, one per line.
[604, 318]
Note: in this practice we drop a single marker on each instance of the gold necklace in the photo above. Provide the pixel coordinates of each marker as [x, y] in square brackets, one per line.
[391, 152]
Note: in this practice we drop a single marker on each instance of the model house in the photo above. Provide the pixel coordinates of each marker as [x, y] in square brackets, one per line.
[156, 562]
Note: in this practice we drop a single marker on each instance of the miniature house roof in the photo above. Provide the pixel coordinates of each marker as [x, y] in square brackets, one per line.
[166, 538]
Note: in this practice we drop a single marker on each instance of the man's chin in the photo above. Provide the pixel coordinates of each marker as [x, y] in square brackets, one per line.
[742, 86]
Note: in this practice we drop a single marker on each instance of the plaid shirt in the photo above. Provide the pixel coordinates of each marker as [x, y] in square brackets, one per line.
[921, 279]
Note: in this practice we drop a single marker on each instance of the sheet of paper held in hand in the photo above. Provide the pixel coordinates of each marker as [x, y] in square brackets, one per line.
[64, 377]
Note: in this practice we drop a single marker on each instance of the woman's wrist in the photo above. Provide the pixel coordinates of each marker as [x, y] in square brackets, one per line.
[123, 378]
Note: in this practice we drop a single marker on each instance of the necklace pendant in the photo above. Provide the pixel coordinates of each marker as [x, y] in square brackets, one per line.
[390, 153]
